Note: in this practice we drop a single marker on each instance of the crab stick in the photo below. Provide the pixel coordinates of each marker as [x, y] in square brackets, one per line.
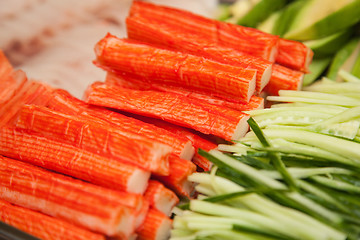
[295, 55]
[161, 34]
[125, 81]
[207, 118]
[247, 40]
[284, 79]
[98, 137]
[177, 181]
[160, 197]
[156, 226]
[77, 202]
[67, 159]
[153, 64]
[62, 101]
[43, 226]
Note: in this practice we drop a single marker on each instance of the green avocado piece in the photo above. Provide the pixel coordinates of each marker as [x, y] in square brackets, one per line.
[321, 18]
[329, 45]
[317, 67]
[261, 11]
[344, 59]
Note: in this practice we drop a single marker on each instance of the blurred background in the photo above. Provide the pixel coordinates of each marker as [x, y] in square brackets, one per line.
[53, 41]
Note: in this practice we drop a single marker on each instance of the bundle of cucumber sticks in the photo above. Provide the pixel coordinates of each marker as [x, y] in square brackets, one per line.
[330, 28]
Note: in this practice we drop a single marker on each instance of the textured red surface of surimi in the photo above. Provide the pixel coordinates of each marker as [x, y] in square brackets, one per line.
[55, 155]
[177, 181]
[43, 226]
[160, 197]
[146, 29]
[126, 81]
[80, 203]
[201, 116]
[284, 79]
[153, 64]
[295, 55]
[62, 101]
[97, 137]
[244, 39]
[198, 141]
[156, 226]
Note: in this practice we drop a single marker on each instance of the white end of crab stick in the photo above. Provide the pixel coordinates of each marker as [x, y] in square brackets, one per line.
[265, 78]
[241, 129]
[188, 151]
[138, 181]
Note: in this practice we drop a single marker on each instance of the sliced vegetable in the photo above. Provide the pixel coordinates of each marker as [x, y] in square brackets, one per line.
[327, 17]
[316, 68]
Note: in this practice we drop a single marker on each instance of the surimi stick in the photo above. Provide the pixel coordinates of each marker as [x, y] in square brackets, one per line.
[177, 181]
[125, 81]
[91, 135]
[80, 203]
[160, 197]
[43, 226]
[147, 29]
[58, 156]
[156, 226]
[226, 123]
[63, 102]
[152, 64]
[243, 39]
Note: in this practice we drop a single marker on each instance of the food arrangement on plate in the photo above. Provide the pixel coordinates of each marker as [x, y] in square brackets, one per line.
[201, 129]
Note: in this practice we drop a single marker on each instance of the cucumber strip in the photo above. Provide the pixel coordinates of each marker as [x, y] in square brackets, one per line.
[347, 115]
[307, 205]
[344, 59]
[260, 11]
[339, 185]
[349, 77]
[323, 195]
[345, 129]
[284, 108]
[348, 103]
[274, 158]
[343, 87]
[316, 68]
[292, 219]
[307, 172]
[242, 217]
[345, 148]
[356, 67]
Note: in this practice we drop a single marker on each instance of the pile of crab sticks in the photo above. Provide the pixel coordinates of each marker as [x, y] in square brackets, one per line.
[113, 165]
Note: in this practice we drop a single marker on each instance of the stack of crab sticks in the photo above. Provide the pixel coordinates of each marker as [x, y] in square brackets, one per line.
[113, 165]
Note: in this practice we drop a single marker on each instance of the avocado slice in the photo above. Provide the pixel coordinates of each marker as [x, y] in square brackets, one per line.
[344, 59]
[321, 18]
[316, 68]
[329, 45]
[261, 11]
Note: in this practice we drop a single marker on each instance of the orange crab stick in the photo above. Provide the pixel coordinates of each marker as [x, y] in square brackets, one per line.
[58, 156]
[244, 39]
[125, 81]
[161, 34]
[156, 226]
[160, 197]
[177, 181]
[295, 55]
[62, 101]
[98, 137]
[152, 64]
[80, 203]
[284, 78]
[43, 226]
[206, 118]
